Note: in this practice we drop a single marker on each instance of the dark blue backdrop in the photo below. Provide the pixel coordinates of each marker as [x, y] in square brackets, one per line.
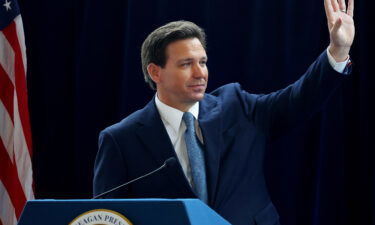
[84, 74]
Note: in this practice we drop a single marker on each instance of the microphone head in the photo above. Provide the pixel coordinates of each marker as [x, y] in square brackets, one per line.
[170, 162]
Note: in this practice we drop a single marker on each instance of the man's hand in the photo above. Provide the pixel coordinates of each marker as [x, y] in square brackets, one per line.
[341, 27]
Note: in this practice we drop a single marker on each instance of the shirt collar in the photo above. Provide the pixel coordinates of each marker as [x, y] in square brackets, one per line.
[174, 116]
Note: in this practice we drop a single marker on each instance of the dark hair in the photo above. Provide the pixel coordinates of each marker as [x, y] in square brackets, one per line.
[153, 48]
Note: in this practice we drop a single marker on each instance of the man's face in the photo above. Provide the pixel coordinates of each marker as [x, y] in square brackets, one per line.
[183, 80]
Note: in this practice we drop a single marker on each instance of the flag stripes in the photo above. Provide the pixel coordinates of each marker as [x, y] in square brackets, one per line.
[20, 78]
[7, 213]
[7, 57]
[16, 182]
[6, 130]
[6, 92]
[13, 186]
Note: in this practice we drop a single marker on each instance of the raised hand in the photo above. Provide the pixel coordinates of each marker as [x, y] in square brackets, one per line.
[340, 26]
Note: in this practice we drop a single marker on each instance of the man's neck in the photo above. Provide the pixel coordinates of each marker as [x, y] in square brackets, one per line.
[181, 106]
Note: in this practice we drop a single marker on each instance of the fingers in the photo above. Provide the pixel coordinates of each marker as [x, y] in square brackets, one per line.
[342, 5]
[335, 5]
[329, 10]
[350, 10]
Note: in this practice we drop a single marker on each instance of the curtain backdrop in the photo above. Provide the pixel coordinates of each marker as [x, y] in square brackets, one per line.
[84, 74]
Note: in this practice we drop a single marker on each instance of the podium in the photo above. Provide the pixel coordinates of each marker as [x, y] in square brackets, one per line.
[134, 211]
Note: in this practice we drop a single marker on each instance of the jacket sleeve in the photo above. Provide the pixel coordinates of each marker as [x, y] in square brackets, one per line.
[277, 112]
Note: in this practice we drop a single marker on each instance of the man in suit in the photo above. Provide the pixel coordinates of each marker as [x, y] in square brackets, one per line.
[218, 138]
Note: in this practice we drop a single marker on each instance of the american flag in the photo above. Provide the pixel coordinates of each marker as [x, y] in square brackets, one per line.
[16, 182]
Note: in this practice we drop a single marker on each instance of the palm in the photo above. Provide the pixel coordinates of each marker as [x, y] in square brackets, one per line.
[341, 27]
[344, 35]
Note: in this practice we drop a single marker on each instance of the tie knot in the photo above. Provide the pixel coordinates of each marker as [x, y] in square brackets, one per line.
[188, 119]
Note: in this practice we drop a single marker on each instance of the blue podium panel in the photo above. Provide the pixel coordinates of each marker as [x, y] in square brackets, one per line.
[137, 211]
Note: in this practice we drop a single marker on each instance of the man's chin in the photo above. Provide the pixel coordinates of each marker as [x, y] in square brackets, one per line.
[197, 97]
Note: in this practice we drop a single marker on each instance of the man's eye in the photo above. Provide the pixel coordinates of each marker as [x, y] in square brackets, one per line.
[203, 63]
[185, 64]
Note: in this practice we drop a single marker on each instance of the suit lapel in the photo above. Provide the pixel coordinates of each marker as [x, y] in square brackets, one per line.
[155, 137]
[210, 124]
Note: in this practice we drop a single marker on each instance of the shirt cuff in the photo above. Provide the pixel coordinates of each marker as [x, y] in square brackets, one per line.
[338, 66]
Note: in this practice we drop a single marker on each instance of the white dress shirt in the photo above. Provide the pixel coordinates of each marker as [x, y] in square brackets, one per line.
[338, 66]
[175, 126]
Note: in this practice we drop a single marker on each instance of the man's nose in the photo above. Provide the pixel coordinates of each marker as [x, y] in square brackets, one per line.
[199, 71]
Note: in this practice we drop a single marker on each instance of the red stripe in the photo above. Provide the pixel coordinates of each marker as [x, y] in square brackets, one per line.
[6, 92]
[10, 179]
[10, 34]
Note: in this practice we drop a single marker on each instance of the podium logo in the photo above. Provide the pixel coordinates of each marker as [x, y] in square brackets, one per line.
[100, 217]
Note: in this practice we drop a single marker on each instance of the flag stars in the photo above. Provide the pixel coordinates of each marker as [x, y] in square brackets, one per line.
[7, 5]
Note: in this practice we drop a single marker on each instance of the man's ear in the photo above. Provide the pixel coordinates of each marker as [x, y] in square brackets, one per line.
[154, 72]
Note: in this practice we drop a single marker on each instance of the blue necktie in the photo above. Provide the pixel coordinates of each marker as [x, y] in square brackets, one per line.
[196, 157]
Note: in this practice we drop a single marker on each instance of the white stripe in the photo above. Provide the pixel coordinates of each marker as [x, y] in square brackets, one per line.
[21, 39]
[7, 57]
[6, 130]
[7, 213]
[22, 156]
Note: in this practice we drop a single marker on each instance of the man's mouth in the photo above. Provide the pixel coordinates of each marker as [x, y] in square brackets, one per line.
[196, 85]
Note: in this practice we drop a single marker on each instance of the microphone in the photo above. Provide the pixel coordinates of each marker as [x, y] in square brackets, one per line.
[167, 163]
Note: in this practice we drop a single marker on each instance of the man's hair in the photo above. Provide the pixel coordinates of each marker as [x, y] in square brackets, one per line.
[154, 47]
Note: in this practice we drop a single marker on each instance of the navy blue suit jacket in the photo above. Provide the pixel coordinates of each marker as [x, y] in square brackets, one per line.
[235, 126]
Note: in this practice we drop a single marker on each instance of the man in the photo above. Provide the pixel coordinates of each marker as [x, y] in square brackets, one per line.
[218, 138]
